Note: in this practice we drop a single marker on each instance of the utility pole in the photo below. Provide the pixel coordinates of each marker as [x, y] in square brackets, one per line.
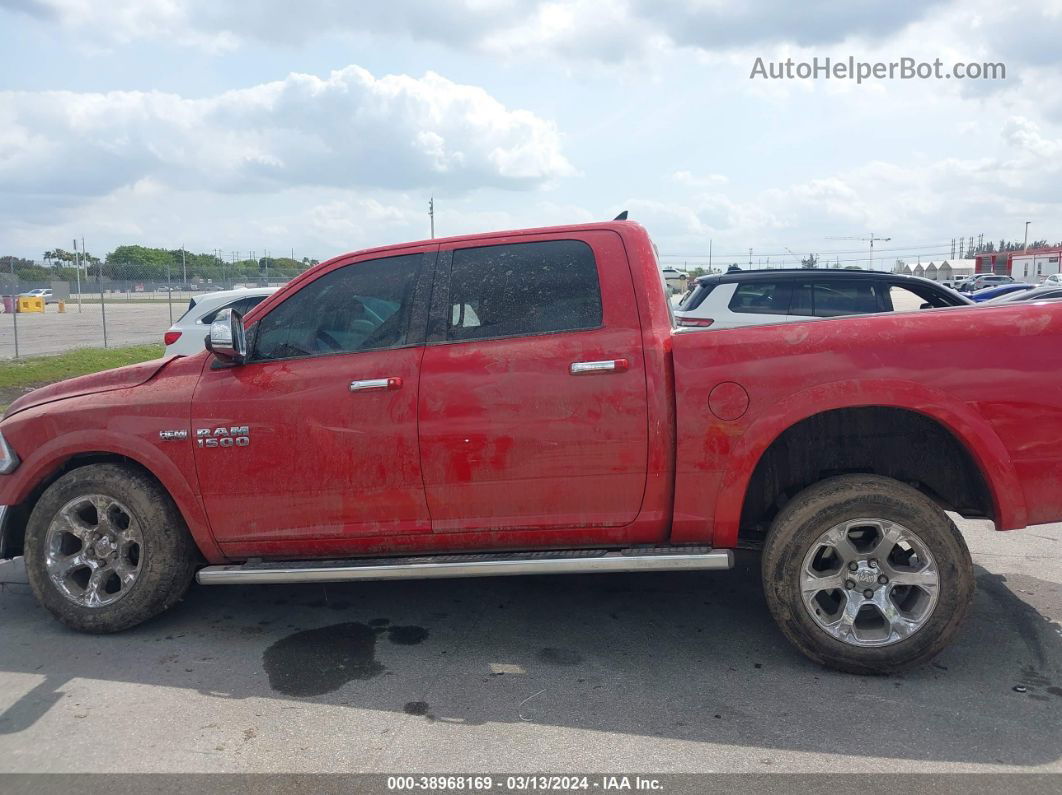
[77, 271]
[184, 270]
[750, 256]
[709, 255]
[1025, 247]
[431, 215]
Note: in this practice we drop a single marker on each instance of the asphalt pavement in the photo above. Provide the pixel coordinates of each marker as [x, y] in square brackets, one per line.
[608, 673]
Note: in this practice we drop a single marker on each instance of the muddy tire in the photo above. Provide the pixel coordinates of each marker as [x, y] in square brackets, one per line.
[866, 575]
[106, 549]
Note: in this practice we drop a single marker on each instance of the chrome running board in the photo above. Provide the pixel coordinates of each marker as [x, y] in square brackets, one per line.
[591, 561]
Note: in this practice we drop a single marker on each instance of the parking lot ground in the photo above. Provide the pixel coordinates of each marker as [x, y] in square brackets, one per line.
[607, 673]
[127, 324]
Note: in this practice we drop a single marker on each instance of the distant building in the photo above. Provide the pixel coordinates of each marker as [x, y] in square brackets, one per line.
[940, 271]
[1029, 260]
[1034, 266]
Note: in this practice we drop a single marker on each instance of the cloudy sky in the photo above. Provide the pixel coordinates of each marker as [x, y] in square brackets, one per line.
[323, 126]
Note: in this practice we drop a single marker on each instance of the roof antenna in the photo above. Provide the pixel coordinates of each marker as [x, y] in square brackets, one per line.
[621, 217]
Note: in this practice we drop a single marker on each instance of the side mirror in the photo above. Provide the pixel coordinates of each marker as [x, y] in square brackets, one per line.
[227, 340]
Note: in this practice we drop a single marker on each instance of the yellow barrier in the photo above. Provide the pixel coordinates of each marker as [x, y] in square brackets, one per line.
[62, 306]
[30, 304]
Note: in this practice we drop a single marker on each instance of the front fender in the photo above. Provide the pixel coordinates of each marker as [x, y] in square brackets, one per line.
[52, 456]
[124, 423]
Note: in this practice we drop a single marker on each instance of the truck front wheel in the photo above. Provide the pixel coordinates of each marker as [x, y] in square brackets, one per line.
[866, 574]
[106, 549]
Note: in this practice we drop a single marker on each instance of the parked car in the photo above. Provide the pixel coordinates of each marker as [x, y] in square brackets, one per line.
[760, 297]
[520, 403]
[979, 281]
[1054, 280]
[48, 296]
[988, 293]
[1037, 294]
[186, 336]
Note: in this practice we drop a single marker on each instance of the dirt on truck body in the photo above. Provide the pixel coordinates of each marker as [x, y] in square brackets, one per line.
[521, 402]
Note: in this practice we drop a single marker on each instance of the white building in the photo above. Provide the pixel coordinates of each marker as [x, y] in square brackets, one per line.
[945, 270]
[1035, 266]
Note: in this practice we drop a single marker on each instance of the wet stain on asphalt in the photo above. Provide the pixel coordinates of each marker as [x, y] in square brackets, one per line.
[406, 636]
[318, 661]
[556, 656]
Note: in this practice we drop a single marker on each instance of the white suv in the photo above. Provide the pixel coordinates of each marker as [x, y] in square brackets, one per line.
[186, 337]
[756, 298]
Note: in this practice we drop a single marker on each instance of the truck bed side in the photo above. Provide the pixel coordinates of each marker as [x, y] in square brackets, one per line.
[987, 377]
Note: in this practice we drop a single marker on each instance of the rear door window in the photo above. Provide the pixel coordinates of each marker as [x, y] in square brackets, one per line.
[837, 298]
[523, 289]
[761, 298]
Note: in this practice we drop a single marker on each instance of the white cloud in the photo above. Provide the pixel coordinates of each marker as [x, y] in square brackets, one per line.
[346, 130]
[579, 29]
[919, 202]
[684, 177]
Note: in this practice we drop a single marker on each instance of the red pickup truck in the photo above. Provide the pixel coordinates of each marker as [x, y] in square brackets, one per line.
[521, 402]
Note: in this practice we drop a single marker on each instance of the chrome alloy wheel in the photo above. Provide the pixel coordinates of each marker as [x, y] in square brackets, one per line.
[93, 550]
[869, 582]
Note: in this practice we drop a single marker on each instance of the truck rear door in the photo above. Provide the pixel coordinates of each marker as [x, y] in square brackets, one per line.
[532, 404]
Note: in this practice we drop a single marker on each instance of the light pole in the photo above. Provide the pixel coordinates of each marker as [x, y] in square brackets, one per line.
[1025, 246]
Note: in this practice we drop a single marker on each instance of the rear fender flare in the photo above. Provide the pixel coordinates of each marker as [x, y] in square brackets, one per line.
[969, 428]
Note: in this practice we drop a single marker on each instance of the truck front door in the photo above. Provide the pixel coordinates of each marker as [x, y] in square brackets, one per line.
[313, 442]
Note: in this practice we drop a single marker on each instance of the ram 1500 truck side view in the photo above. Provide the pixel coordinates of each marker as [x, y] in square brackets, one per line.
[520, 403]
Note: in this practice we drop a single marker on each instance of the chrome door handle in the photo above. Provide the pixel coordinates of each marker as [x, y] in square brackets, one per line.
[606, 366]
[375, 384]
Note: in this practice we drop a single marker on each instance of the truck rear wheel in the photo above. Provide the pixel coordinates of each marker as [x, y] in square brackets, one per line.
[866, 574]
[106, 549]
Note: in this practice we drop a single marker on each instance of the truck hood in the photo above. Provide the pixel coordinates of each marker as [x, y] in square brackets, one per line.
[107, 381]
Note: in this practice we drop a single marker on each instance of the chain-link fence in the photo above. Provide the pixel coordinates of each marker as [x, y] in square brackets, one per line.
[55, 305]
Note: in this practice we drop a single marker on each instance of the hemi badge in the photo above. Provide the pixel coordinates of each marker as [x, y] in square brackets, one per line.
[168, 436]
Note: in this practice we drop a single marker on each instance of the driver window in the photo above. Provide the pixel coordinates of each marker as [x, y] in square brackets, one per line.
[360, 307]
